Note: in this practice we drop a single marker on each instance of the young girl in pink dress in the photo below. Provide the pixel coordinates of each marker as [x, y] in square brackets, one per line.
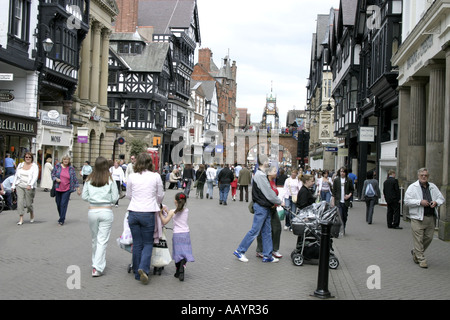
[181, 242]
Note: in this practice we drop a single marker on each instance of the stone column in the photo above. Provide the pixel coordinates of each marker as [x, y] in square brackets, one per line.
[444, 210]
[85, 67]
[416, 129]
[435, 121]
[103, 100]
[403, 134]
[95, 72]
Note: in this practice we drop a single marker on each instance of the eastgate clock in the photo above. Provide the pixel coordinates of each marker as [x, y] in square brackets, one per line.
[271, 106]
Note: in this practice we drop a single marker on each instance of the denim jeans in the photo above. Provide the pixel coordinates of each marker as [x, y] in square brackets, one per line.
[210, 184]
[293, 206]
[142, 225]
[62, 202]
[325, 196]
[370, 204]
[261, 223]
[224, 189]
[100, 223]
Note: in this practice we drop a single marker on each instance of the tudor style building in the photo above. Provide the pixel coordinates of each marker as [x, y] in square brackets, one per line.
[174, 26]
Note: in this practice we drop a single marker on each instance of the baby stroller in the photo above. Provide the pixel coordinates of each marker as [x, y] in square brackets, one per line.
[160, 256]
[306, 225]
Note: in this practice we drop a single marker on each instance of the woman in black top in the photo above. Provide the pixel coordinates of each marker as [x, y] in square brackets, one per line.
[200, 177]
[305, 196]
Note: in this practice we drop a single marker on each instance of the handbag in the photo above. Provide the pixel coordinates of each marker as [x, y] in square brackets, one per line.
[53, 189]
[161, 255]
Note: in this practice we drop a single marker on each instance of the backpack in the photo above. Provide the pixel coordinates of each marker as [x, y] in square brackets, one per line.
[370, 192]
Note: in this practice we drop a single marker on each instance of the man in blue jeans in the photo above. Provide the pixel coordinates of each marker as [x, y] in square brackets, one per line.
[225, 177]
[263, 199]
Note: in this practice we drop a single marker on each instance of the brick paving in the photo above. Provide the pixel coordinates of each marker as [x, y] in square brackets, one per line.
[34, 259]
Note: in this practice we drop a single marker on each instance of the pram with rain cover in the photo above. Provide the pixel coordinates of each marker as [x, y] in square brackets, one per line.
[305, 224]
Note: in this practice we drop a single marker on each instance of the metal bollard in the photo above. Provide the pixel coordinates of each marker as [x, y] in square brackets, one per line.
[322, 281]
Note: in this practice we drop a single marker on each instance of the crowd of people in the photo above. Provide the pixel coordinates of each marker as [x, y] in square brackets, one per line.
[271, 187]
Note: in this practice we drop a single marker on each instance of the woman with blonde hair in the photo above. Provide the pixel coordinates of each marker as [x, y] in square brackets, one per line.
[66, 183]
[100, 191]
[25, 181]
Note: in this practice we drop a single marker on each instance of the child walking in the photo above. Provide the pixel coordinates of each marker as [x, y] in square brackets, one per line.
[181, 242]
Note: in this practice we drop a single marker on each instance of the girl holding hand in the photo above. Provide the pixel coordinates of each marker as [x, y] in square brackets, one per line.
[181, 242]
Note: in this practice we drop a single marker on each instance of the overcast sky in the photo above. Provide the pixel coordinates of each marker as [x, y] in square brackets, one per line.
[270, 41]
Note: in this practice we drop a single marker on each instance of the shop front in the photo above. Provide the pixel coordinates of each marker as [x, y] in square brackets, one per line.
[17, 135]
[54, 137]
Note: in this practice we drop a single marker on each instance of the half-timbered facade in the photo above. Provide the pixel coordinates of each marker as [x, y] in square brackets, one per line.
[138, 87]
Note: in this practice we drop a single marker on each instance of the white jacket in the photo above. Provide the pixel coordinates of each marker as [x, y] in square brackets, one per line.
[414, 195]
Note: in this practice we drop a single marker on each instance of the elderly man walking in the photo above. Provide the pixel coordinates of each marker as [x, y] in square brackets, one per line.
[422, 198]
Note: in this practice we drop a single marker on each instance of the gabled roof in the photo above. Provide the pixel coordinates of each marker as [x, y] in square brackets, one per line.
[166, 14]
[152, 58]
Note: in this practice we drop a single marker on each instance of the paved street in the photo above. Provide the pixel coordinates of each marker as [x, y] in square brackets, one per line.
[37, 260]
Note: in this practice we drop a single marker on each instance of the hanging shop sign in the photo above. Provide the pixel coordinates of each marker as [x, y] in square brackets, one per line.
[82, 136]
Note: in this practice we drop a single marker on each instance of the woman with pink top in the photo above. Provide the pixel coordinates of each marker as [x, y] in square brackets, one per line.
[181, 242]
[145, 189]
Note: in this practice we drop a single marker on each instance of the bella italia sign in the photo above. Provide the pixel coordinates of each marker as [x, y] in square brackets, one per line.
[17, 125]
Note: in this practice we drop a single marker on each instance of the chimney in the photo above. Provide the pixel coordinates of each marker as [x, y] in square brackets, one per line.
[204, 58]
[126, 21]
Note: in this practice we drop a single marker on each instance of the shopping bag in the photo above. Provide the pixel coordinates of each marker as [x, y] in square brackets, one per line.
[53, 190]
[281, 213]
[126, 237]
[161, 255]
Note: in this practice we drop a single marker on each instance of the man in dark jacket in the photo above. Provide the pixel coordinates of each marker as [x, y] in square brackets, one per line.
[225, 177]
[391, 193]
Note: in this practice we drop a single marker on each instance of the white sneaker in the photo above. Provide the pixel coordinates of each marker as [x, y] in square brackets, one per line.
[276, 254]
[240, 256]
[285, 228]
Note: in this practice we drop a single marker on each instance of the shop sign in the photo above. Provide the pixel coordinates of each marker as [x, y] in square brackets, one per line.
[82, 136]
[6, 96]
[366, 134]
[17, 125]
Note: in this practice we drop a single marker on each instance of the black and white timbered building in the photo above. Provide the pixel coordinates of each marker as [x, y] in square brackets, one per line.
[140, 73]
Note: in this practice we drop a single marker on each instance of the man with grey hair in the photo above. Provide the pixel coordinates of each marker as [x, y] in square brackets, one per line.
[422, 198]
[264, 198]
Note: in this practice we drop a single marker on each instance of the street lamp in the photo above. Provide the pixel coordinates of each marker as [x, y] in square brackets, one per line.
[47, 45]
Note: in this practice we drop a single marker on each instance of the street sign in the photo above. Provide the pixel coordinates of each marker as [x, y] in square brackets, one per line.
[331, 149]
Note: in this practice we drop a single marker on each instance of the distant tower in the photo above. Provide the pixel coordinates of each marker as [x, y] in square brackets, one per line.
[270, 117]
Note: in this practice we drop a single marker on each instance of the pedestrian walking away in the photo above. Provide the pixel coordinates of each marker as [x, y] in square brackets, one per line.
[25, 181]
[264, 198]
[145, 190]
[210, 177]
[391, 192]
[101, 192]
[66, 183]
[187, 178]
[200, 178]
[225, 177]
[423, 199]
[181, 242]
[370, 195]
[244, 180]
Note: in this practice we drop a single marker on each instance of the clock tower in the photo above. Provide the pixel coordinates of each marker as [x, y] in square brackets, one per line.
[270, 118]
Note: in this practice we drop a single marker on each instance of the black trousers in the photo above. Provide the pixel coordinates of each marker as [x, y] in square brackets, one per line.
[393, 214]
[241, 193]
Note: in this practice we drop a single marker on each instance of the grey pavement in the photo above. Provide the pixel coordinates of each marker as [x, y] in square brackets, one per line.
[42, 260]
